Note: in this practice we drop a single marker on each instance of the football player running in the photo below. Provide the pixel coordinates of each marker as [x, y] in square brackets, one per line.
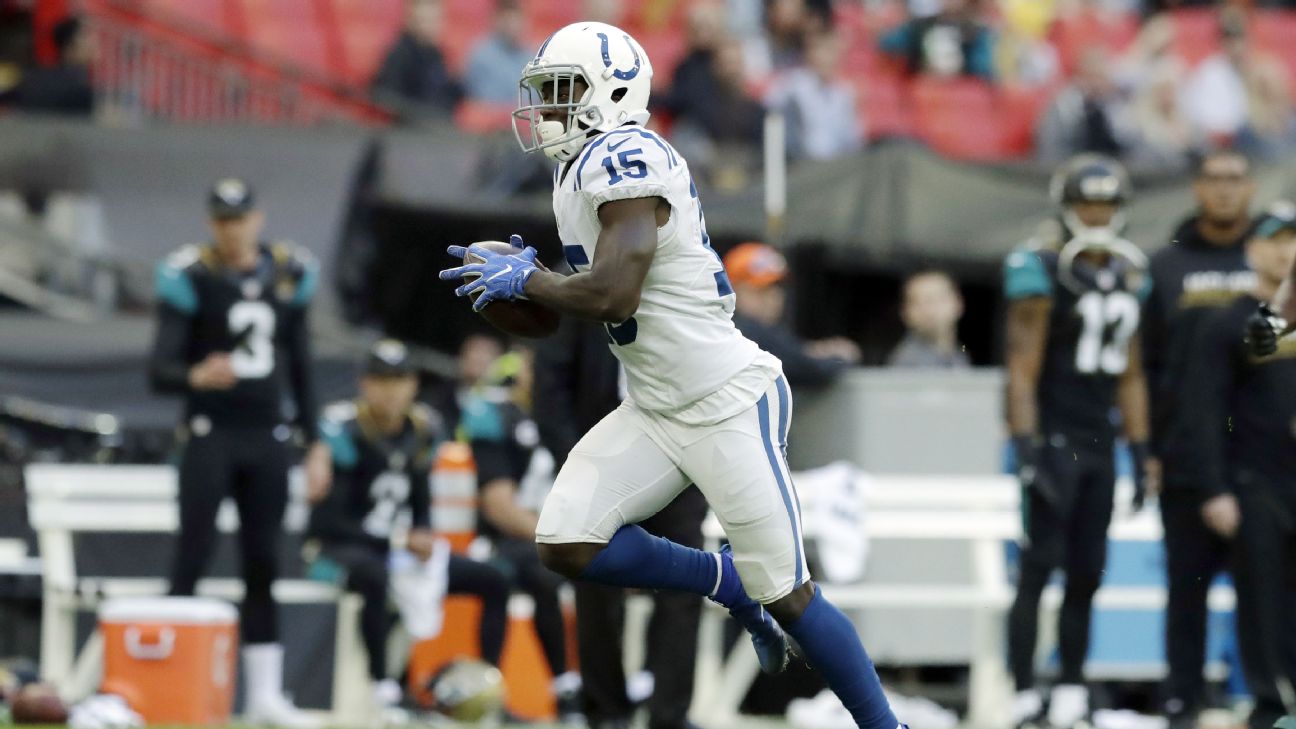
[1073, 296]
[705, 404]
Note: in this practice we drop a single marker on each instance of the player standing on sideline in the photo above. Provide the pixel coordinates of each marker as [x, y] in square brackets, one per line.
[232, 338]
[1245, 408]
[1073, 353]
[372, 462]
[1275, 317]
[705, 404]
[1202, 269]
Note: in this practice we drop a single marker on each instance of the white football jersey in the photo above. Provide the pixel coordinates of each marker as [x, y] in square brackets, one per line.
[681, 344]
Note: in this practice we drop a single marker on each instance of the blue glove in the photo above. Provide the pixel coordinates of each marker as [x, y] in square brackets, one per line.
[501, 276]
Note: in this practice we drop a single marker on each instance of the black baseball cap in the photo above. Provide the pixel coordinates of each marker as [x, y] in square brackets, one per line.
[1279, 217]
[388, 358]
[230, 197]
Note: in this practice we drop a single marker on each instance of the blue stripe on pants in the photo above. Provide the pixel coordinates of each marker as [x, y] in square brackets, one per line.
[785, 400]
[766, 436]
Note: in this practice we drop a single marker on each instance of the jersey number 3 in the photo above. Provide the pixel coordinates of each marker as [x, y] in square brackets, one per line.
[253, 325]
[1109, 322]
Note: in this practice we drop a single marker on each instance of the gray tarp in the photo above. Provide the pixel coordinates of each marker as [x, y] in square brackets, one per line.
[894, 199]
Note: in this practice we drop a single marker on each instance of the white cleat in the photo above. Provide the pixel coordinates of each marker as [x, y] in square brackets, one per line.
[275, 710]
[1069, 706]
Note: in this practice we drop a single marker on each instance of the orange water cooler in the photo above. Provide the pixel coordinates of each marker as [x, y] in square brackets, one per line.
[171, 658]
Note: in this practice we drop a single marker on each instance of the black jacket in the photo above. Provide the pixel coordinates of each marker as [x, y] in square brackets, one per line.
[576, 384]
[801, 369]
[417, 73]
[259, 317]
[1245, 408]
[1191, 279]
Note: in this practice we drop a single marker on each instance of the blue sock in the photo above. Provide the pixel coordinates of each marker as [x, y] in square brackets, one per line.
[831, 645]
[635, 558]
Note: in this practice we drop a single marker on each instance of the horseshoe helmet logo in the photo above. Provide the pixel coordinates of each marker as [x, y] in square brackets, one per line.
[607, 59]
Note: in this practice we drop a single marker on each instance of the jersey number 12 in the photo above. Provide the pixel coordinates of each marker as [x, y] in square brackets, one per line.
[1109, 322]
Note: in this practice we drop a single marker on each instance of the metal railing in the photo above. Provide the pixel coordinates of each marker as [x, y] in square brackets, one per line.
[156, 69]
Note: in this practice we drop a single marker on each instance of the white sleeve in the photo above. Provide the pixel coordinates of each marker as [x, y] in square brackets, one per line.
[626, 163]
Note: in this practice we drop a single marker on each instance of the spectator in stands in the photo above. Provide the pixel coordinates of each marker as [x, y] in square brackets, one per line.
[65, 87]
[1151, 55]
[510, 464]
[1089, 115]
[1240, 94]
[414, 77]
[953, 42]
[497, 60]
[1168, 140]
[717, 122]
[694, 78]
[782, 45]
[756, 272]
[1023, 54]
[818, 103]
[930, 309]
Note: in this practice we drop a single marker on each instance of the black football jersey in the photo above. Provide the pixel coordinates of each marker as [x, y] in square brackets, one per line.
[380, 481]
[257, 316]
[1093, 317]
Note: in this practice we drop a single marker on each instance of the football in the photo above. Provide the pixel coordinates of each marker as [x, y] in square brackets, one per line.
[519, 318]
[37, 703]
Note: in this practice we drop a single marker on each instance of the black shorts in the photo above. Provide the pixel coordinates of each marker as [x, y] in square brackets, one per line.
[1070, 529]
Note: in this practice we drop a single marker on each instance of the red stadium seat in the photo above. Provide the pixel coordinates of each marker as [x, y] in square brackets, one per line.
[472, 16]
[1196, 33]
[1018, 110]
[666, 49]
[546, 16]
[386, 13]
[302, 44]
[478, 117]
[958, 118]
[213, 15]
[289, 29]
[883, 105]
[1275, 32]
[365, 49]
[366, 30]
[1074, 34]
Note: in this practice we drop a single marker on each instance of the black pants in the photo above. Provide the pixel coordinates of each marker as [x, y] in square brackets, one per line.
[1265, 577]
[1194, 556]
[520, 561]
[250, 465]
[672, 632]
[1070, 534]
[488, 583]
[368, 576]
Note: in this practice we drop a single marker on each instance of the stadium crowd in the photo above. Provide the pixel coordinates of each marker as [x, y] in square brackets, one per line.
[1148, 82]
[1151, 92]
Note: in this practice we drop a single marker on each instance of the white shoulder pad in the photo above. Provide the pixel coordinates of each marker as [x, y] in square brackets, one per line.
[340, 411]
[184, 256]
[628, 162]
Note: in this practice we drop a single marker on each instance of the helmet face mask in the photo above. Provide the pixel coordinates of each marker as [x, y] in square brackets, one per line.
[608, 68]
[1090, 180]
[554, 113]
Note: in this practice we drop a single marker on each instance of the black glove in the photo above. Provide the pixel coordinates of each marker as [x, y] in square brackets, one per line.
[1139, 454]
[1262, 331]
[1032, 470]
